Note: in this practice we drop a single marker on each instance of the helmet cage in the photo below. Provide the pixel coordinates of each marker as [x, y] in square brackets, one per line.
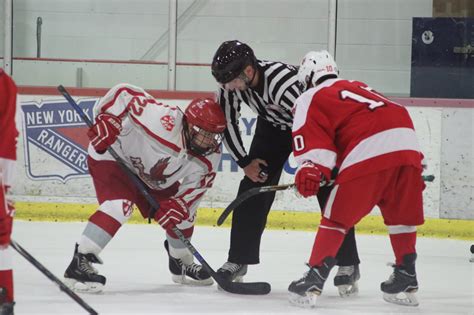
[204, 124]
[202, 142]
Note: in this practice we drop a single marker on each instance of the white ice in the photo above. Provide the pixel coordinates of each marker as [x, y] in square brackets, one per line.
[138, 280]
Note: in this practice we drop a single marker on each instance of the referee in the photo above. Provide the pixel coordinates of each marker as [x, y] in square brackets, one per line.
[269, 88]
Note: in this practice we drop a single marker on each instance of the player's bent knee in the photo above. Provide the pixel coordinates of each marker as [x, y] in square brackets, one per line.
[119, 209]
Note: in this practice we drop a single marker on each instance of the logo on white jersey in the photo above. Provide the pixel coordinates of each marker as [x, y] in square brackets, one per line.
[127, 208]
[167, 122]
[157, 176]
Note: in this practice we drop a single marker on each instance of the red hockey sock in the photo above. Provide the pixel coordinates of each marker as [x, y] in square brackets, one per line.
[402, 245]
[105, 222]
[329, 238]
[6, 281]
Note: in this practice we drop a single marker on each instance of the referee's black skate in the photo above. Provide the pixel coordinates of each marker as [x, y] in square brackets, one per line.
[232, 272]
[304, 292]
[191, 274]
[346, 280]
[6, 308]
[81, 276]
[400, 288]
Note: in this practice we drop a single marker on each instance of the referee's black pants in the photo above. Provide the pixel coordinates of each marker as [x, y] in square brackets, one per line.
[273, 145]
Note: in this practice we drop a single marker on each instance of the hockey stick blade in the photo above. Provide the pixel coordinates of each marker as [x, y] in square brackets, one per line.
[248, 194]
[245, 288]
[248, 288]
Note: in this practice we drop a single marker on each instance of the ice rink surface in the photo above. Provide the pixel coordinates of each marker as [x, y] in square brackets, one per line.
[138, 280]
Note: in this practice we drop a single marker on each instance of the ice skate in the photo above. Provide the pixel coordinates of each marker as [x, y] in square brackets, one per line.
[6, 308]
[232, 272]
[400, 288]
[305, 291]
[81, 276]
[346, 280]
[189, 274]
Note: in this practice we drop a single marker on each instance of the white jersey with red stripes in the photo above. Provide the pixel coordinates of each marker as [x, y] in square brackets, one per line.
[152, 143]
[346, 124]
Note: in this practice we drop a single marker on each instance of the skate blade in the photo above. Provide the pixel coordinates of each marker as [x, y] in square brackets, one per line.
[348, 290]
[308, 300]
[86, 287]
[402, 298]
[179, 279]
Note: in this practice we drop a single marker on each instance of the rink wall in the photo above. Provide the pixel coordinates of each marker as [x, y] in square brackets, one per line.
[52, 150]
[82, 41]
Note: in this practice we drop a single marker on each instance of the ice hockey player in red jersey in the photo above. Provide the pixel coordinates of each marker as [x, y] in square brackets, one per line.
[8, 140]
[346, 124]
[175, 154]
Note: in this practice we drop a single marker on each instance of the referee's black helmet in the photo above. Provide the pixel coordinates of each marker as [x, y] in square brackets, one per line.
[230, 60]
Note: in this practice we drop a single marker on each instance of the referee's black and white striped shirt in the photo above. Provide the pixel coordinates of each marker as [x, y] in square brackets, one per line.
[272, 99]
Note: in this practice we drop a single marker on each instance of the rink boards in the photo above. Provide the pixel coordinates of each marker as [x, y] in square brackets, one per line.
[52, 150]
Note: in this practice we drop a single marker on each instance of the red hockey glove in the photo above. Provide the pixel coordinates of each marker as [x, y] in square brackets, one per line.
[171, 212]
[6, 218]
[307, 179]
[104, 132]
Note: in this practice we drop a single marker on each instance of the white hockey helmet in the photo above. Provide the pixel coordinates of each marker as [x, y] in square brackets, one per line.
[316, 64]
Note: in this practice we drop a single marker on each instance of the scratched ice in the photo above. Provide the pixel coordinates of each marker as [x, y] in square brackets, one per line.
[138, 281]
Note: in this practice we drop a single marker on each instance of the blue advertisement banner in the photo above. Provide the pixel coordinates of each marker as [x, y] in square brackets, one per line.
[53, 129]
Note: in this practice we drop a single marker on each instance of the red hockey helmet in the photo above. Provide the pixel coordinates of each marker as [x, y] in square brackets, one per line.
[206, 124]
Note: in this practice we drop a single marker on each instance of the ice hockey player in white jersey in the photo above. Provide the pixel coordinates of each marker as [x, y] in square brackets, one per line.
[174, 153]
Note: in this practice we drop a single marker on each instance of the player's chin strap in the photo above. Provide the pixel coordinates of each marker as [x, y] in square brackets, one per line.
[246, 79]
[250, 288]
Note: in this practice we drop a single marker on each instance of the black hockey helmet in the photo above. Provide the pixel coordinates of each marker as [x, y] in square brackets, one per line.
[230, 60]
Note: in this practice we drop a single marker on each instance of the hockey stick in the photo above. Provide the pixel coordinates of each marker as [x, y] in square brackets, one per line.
[264, 189]
[52, 277]
[246, 195]
[250, 288]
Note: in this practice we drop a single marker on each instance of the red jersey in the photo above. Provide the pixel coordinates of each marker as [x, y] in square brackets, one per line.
[9, 132]
[346, 124]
